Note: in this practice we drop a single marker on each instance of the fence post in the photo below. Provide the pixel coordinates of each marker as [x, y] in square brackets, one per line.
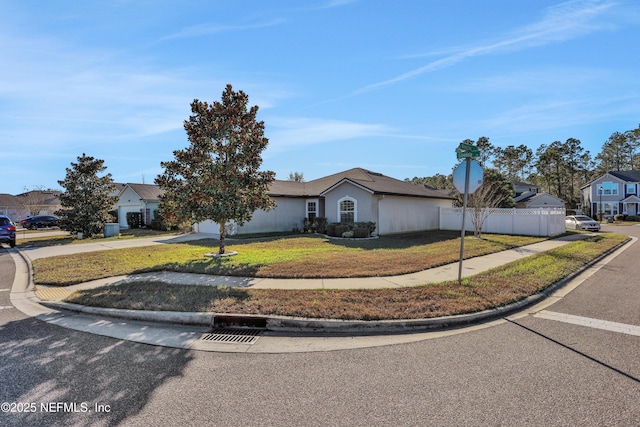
[540, 221]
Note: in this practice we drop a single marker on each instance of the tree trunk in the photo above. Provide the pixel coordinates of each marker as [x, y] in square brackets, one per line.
[222, 230]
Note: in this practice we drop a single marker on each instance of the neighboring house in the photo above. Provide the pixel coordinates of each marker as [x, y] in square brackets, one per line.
[142, 198]
[118, 190]
[11, 207]
[351, 196]
[36, 202]
[40, 202]
[520, 188]
[538, 200]
[613, 193]
[527, 195]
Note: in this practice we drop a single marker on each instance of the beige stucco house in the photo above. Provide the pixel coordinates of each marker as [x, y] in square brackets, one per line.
[355, 195]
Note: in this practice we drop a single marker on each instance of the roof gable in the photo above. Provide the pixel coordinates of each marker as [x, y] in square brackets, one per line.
[631, 199]
[346, 181]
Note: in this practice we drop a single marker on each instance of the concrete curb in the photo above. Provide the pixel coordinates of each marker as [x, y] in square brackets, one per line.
[301, 325]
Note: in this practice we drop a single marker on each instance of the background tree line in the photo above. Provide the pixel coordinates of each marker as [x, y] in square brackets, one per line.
[559, 168]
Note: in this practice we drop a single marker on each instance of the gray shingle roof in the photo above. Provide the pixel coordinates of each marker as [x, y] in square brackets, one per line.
[376, 182]
[147, 191]
[7, 200]
[630, 176]
[373, 181]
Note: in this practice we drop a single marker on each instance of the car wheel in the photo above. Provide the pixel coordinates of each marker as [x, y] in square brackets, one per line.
[12, 243]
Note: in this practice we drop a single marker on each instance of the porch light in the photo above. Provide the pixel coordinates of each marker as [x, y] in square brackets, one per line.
[600, 189]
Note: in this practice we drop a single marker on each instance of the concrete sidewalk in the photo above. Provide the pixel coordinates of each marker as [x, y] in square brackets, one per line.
[443, 273]
[283, 335]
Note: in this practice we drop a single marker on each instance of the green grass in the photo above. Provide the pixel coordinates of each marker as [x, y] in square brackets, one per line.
[494, 288]
[291, 257]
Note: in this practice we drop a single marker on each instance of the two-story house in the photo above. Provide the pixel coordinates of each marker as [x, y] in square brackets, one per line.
[613, 193]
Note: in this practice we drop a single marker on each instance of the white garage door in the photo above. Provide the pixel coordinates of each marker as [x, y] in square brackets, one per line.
[208, 227]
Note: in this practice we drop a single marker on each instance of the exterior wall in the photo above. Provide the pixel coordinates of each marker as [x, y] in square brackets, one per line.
[15, 214]
[364, 203]
[526, 222]
[392, 214]
[150, 207]
[545, 201]
[402, 214]
[129, 201]
[608, 203]
[289, 213]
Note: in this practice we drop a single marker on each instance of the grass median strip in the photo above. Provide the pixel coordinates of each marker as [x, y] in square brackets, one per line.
[494, 288]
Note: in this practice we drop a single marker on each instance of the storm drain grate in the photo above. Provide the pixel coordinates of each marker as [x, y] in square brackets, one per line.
[232, 336]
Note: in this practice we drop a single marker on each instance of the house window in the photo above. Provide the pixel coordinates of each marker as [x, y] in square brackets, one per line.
[631, 189]
[312, 210]
[610, 208]
[347, 209]
[608, 188]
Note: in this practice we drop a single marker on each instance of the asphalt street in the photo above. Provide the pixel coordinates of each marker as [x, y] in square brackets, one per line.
[572, 361]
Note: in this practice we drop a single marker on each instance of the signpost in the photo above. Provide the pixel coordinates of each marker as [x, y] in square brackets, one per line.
[467, 151]
[473, 175]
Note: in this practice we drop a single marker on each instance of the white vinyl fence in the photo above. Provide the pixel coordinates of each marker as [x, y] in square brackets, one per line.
[526, 222]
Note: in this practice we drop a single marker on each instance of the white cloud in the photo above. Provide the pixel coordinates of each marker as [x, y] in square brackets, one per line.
[284, 133]
[543, 80]
[335, 3]
[562, 22]
[543, 116]
[212, 28]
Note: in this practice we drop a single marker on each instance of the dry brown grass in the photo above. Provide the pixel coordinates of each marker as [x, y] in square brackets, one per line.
[495, 288]
[292, 257]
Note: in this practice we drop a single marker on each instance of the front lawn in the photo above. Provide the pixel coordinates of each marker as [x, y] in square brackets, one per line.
[494, 288]
[291, 257]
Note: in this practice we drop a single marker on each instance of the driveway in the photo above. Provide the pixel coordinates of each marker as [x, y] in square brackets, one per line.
[49, 251]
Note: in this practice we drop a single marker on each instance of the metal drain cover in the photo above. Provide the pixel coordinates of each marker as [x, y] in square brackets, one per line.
[232, 335]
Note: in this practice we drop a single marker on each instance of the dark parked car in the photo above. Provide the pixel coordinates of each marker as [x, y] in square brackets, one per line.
[7, 231]
[40, 221]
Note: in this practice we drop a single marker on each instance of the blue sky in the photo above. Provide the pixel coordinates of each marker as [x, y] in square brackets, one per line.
[391, 86]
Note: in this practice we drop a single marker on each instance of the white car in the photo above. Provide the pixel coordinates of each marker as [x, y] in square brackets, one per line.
[581, 222]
